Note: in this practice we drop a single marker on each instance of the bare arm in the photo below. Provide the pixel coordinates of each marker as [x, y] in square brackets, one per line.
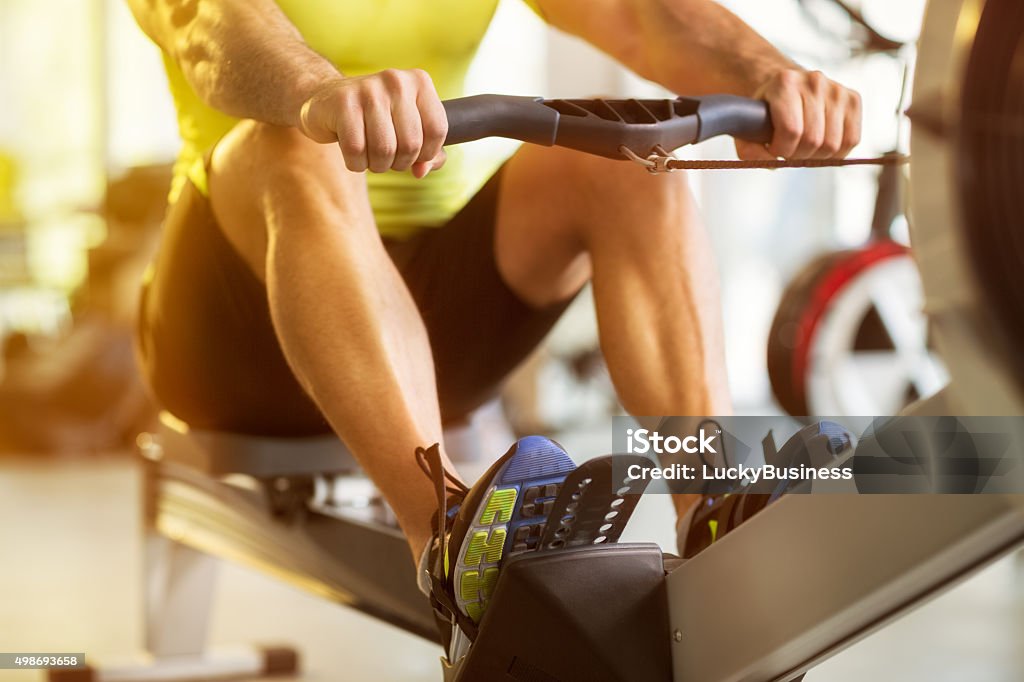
[245, 58]
[242, 57]
[696, 47]
[693, 47]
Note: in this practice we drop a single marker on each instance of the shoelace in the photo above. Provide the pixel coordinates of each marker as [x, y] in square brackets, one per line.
[429, 460]
[453, 485]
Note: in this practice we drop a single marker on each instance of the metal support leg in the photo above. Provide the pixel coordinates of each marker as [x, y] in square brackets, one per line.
[179, 584]
[179, 597]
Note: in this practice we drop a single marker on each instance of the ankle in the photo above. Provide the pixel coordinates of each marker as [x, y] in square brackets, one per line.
[418, 540]
[421, 558]
[684, 503]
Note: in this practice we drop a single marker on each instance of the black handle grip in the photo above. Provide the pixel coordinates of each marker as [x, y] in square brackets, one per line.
[740, 117]
[519, 118]
[604, 127]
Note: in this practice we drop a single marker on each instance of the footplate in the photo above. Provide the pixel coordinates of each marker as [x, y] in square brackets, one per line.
[594, 504]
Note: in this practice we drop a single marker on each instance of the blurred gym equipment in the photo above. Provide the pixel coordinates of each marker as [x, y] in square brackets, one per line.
[68, 379]
[850, 336]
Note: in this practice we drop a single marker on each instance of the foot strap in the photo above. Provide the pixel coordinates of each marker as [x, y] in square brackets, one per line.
[595, 503]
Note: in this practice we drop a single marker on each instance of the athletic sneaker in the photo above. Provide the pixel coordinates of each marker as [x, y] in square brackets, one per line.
[714, 516]
[477, 528]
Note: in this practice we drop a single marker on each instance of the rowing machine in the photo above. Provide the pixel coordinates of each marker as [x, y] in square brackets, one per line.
[863, 560]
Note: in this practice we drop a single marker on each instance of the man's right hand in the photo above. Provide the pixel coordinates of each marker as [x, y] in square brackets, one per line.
[392, 120]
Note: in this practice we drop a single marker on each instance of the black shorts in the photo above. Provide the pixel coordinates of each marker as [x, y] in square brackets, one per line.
[211, 357]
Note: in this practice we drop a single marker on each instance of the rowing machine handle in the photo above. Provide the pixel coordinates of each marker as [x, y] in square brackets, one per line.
[739, 117]
[605, 126]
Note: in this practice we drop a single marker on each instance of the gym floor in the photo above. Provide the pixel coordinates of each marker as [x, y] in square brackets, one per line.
[71, 582]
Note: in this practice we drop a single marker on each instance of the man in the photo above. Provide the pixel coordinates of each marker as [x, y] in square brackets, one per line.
[295, 293]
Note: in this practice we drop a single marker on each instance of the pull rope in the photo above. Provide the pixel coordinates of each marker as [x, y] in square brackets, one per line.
[663, 162]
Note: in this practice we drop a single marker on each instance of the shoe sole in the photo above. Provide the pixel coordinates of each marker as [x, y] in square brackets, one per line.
[511, 518]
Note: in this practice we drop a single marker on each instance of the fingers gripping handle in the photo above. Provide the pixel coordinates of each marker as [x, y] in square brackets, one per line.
[740, 117]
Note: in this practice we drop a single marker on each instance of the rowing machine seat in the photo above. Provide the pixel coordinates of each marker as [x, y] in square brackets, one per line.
[218, 453]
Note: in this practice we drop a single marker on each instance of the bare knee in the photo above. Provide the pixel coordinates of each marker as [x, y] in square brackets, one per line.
[263, 178]
[612, 197]
[626, 188]
[261, 159]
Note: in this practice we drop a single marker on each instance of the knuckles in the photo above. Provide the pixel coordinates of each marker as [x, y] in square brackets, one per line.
[385, 149]
[818, 82]
[408, 145]
[831, 145]
[354, 154]
[814, 141]
[421, 77]
[788, 128]
[788, 78]
[373, 96]
[854, 100]
[395, 82]
[435, 128]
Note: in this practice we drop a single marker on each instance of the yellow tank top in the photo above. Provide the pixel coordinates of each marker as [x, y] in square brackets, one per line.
[361, 37]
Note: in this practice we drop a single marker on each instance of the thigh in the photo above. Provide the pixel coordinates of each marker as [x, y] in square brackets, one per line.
[209, 347]
[207, 344]
[479, 329]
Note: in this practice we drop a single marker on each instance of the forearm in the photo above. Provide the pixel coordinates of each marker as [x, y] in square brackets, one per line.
[692, 47]
[242, 57]
[698, 47]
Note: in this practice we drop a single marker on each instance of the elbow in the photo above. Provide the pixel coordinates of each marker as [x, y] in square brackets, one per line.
[198, 58]
[189, 43]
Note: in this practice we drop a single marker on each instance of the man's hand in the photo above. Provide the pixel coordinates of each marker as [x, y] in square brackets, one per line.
[814, 118]
[388, 120]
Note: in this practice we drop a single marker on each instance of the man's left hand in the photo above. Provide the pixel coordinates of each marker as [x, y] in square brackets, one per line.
[814, 118]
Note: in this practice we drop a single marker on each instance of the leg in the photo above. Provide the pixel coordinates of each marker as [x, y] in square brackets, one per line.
[344, 318]
[565, 217]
